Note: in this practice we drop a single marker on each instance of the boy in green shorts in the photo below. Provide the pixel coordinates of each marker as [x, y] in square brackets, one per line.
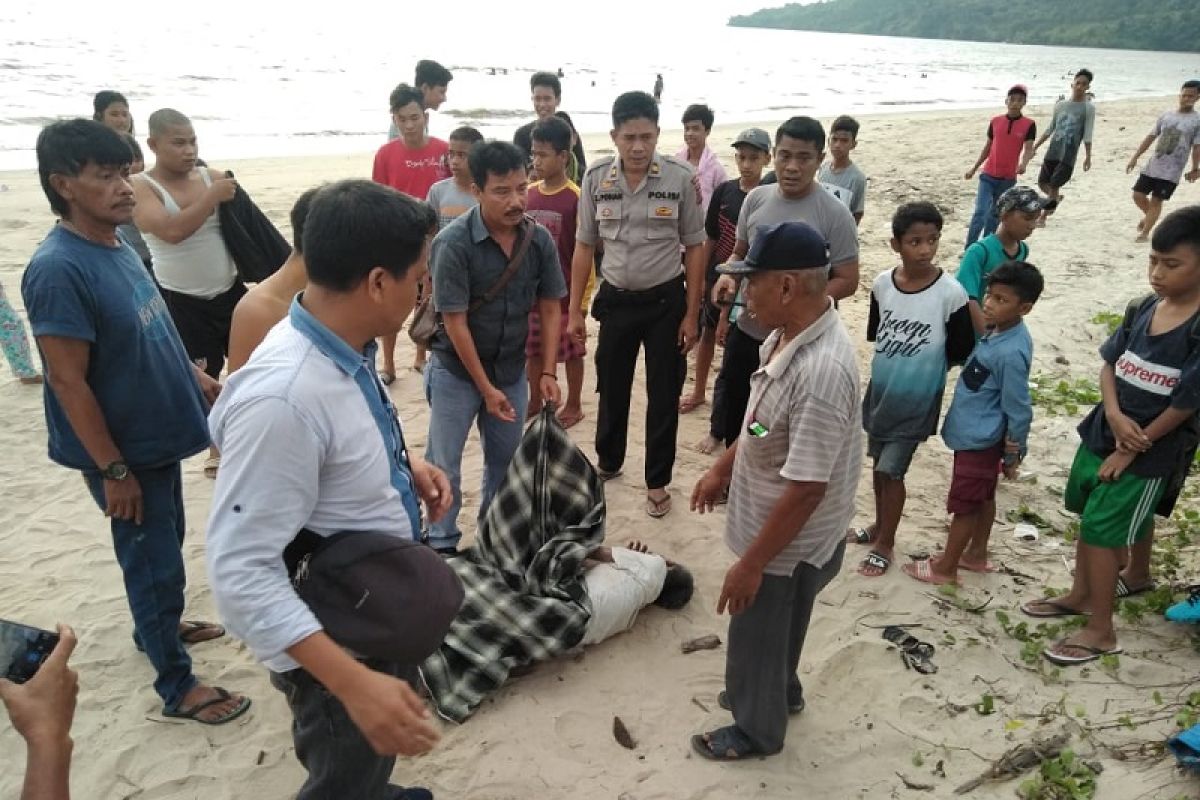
[1019, 210]
[1134, 444]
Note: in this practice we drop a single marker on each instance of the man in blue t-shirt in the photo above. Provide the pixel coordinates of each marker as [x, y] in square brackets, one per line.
[123, 404]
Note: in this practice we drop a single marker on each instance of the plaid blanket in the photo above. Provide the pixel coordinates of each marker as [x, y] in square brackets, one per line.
[525, 599]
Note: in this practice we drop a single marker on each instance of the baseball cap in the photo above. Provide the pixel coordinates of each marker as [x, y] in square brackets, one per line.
[1019, 88]
[755, 137]
[1021, 198]
[782, 247]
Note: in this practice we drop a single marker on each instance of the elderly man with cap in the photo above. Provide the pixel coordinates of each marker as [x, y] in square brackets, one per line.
[1005, 155]
[791, 479]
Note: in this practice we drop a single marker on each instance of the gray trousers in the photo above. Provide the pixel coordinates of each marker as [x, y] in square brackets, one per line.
[765, 642]
[341, 763]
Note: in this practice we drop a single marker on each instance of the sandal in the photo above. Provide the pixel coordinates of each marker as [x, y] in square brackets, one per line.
[876, 560]
[1056, 609]
[193, 712]
[194, 631]
[1090, 653]
[915, 654]
[658, 508]
[607, 475]
[1125, 590]
[725, 744]
[923, 571]
[860, 536]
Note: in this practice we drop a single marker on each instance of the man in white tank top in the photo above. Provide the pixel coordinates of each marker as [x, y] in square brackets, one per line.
[177, 214]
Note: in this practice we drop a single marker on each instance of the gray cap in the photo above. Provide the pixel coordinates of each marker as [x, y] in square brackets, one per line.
[755, 137]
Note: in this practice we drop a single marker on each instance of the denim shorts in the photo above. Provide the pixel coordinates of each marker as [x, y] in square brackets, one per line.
[892, 458]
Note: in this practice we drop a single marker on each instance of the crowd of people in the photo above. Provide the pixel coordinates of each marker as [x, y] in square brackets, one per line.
[139, 304]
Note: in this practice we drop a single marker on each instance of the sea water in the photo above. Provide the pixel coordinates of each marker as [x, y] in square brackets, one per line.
[262, 79]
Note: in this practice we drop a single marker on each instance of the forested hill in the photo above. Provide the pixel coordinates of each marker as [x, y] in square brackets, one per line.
[1128, 24]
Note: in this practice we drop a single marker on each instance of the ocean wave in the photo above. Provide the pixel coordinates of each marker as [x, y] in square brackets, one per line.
[489, 113]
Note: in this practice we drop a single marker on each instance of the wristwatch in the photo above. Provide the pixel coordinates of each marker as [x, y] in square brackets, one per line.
[116, 471]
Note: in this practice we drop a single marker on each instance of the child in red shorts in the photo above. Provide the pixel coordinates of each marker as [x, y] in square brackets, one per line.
[988, 422]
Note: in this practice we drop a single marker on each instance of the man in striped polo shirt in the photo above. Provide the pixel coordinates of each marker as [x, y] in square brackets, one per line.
[791, 478]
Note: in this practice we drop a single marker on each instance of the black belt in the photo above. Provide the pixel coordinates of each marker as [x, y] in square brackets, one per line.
[642, 296]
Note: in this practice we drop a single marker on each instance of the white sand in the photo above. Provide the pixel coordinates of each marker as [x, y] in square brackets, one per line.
[548, 735]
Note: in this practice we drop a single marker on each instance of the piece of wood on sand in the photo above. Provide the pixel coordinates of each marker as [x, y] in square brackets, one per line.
[1019, 760]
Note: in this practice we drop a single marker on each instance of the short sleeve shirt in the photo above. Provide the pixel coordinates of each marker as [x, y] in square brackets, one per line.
[766, 205]
[450, 201]
[806, 397]
[412, 171]
[1177, 134]
[851, 180]
[137, 368]
[642, 229]
[980, 259]
[466, 262]
[1154, 373]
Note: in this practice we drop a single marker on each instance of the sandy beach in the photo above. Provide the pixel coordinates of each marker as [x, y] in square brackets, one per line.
[869, 721]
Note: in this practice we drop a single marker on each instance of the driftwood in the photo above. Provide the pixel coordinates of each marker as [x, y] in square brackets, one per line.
[1018, 761]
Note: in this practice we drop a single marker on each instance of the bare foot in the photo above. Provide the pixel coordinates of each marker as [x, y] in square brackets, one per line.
[570, 416]
[1142, 237]
[1141, 224]
[690, 403]
[923, 571]
[419, 364]
[708, 444]
[972, 565]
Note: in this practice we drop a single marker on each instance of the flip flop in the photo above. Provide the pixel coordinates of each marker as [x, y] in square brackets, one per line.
[922, 571]
[658, 508]
[1093, 654]
[689, 404]
[192, 713]
[859, 536]
[197, 631]
[877, 560]
[1125, 590]
[1057, 609]
[607, 475]
[725, 744]
[915, 654]
[793, 708]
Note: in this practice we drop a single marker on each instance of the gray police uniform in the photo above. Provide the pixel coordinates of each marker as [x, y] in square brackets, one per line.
[641, 300]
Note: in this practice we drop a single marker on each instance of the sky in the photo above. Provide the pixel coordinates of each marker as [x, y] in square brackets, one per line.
[75, 17]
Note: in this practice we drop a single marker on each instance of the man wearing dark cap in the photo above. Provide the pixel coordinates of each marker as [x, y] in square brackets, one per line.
[1005, 154]
[791, 479]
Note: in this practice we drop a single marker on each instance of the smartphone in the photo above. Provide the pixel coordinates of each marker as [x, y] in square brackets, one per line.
[23, 650]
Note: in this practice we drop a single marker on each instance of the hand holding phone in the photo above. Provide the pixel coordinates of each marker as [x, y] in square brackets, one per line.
[22, 650]
[42, 704]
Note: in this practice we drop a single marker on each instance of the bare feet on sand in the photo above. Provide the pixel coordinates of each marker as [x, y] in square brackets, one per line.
[708, 444]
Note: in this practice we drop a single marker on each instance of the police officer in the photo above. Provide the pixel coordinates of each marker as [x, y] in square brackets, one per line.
[644, 206]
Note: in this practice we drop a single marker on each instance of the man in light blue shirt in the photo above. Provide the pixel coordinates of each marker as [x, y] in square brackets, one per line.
[309, 439]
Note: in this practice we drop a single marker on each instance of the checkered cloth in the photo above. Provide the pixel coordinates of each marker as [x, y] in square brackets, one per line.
[525, 597]
[569, 348]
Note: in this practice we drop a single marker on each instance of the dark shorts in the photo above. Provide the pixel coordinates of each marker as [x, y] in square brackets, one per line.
[1155, 187]
[203, 325]
[976, 473]
[1055, 173]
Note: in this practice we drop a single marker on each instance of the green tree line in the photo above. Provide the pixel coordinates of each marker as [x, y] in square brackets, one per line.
[1126, 24]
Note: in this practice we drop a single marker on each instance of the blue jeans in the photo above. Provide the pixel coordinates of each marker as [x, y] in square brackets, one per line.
[985, 220]
[151, 559]
[454, 404]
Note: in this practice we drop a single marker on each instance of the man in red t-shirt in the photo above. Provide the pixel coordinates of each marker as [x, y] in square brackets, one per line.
[412, 163]
[1007, 151]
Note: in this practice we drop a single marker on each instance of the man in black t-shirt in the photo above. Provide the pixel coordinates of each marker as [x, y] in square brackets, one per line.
[753, 148]
[546, 94]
